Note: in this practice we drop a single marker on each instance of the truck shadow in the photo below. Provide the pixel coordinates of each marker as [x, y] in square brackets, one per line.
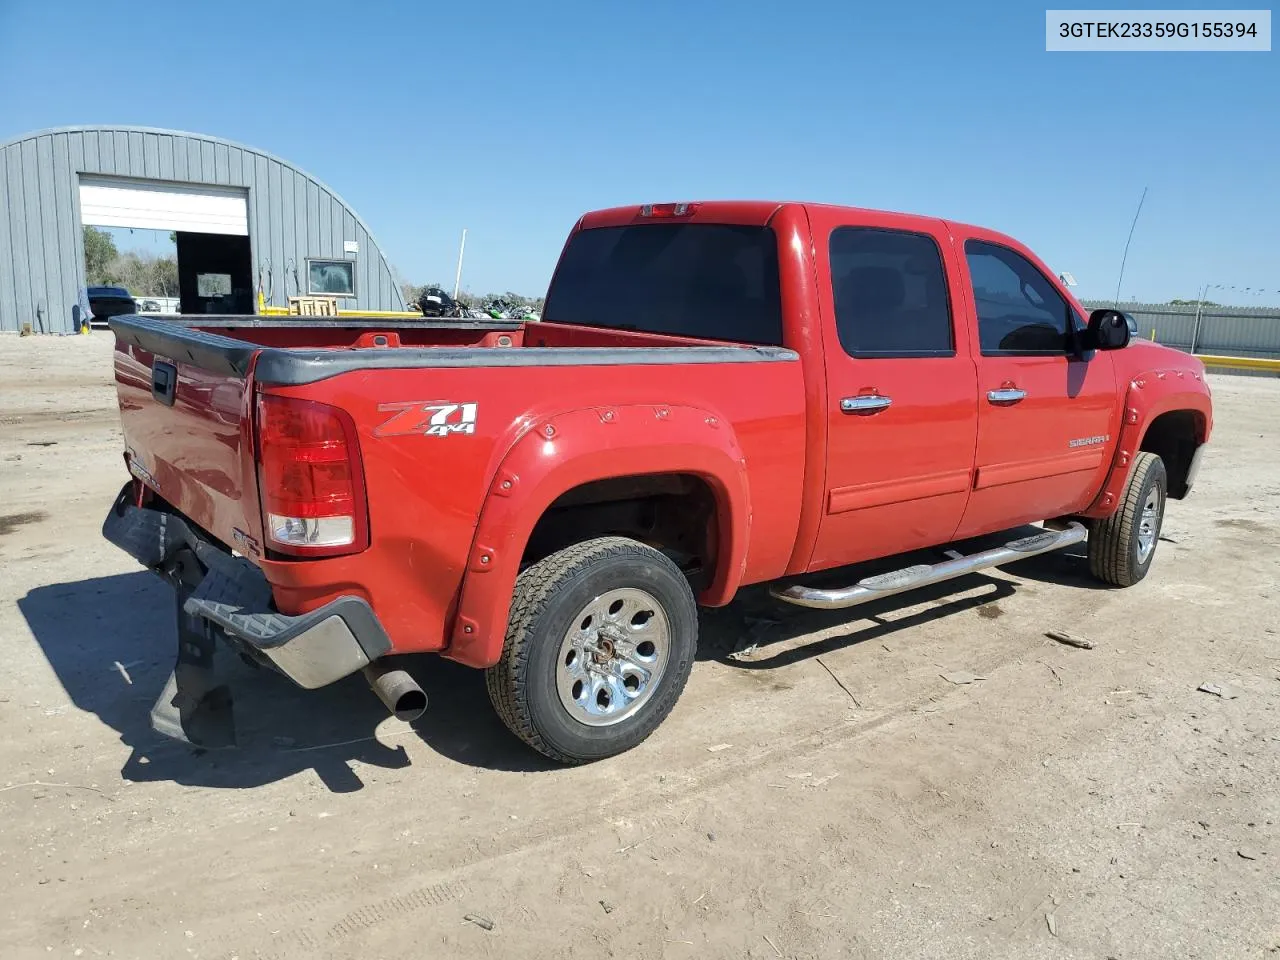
[744, 634]
[763, 628]
[111, 642]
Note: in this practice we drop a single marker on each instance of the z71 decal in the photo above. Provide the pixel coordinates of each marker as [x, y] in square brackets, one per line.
[433, 418]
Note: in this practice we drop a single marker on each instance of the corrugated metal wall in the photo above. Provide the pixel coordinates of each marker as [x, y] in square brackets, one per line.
[292, 216]
[1235, 331]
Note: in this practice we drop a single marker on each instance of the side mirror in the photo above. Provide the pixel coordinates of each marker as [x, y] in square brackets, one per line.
[1107, 330]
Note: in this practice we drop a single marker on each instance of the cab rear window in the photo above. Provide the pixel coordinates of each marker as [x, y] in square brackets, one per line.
[707, 280]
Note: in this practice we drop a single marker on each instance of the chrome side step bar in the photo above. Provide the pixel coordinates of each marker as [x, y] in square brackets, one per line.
[921, 575]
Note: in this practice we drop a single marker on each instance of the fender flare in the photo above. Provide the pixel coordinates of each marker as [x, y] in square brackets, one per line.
[556, 453]
[1149, 396]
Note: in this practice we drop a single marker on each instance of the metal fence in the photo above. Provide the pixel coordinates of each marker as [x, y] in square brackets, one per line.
[1235, 331]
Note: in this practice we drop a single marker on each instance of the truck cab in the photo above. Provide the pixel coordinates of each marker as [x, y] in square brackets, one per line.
[951, 351]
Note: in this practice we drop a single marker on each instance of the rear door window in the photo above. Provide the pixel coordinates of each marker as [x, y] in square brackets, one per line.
[706, 280]
[890, 294]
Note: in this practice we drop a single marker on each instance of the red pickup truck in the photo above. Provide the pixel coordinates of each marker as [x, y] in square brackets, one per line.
[718, 394]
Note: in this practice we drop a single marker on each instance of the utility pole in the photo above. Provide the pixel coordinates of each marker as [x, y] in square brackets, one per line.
[1195, 330]
[457, 279]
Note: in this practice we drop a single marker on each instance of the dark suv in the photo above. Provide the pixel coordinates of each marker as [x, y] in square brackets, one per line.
[107, 302]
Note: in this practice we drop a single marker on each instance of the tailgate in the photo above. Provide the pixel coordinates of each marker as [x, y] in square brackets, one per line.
[186, 411]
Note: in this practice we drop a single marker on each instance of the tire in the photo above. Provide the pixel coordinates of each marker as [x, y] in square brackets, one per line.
[587, 625]
[1120, 549]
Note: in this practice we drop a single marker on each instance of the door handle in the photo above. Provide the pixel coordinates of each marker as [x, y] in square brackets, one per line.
[865, 403]
[1006, 395]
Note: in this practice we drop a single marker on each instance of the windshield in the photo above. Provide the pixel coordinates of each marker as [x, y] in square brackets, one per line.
[708, 280]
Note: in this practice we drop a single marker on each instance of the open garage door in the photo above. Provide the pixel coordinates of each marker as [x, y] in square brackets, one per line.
[141, 204]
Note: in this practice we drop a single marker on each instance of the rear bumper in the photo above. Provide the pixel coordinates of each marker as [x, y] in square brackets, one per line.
[232, 596]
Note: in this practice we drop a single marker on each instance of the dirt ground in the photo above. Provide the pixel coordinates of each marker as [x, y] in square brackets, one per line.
[830, 795]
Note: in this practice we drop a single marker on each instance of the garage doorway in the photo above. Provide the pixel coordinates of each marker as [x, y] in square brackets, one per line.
[209, 226]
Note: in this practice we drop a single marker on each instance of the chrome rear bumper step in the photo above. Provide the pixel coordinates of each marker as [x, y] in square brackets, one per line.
[921, 575]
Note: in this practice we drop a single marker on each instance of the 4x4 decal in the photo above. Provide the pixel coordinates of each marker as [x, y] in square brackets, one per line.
[432, 418]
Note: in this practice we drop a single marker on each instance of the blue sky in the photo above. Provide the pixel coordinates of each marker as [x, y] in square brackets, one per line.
[512, 118]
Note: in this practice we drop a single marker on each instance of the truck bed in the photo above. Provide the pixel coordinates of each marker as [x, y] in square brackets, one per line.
[305, 349]
[194, 446]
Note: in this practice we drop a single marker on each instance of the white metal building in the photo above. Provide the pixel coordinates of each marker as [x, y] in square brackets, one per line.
[244, 220]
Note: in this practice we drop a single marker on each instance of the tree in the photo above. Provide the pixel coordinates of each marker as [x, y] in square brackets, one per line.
[164, 277]
[129, 271]
[99, 254]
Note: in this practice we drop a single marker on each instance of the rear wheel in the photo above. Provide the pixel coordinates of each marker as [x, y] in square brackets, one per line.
[1122, 546]
[599, 644]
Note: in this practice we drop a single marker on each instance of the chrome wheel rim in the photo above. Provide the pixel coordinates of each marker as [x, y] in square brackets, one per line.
[613, 656]
[1149, 525]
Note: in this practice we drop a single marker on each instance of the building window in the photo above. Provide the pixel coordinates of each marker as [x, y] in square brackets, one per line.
[210, 285]
[331, 278]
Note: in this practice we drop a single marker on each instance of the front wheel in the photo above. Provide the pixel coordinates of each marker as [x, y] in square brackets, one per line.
[599, 644]
[1122, 546]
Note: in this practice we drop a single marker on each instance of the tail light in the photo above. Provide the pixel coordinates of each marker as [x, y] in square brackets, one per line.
[310, 479]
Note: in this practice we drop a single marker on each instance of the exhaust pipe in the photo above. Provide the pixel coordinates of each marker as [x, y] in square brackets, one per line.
[398, 691]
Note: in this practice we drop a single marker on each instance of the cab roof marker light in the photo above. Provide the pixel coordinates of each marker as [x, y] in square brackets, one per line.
[665, 211]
